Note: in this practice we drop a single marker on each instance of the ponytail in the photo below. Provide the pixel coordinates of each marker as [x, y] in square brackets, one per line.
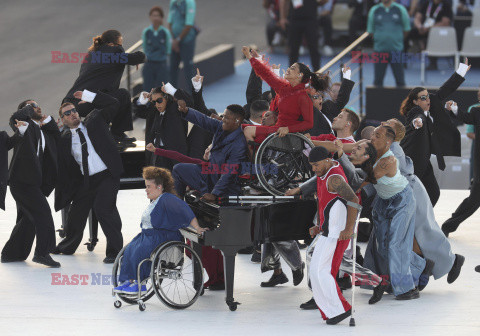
[108, 36]
[320, 82]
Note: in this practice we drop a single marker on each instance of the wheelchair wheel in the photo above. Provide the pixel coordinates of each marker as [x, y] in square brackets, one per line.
[128, 298]
[282, 162]
[177, 274]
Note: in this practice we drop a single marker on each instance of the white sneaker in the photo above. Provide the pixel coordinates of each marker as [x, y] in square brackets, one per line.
[303, 50]
[327, 51]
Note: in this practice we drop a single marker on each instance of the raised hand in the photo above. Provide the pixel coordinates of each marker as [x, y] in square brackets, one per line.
[198, 77]
[78, 95]
[246, 52]
[417, 123]
[19, 123]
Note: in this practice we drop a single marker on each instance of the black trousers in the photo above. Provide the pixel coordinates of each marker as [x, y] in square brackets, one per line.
[101, 196]
[430, 182]
[34, 219]
[123, 120]
[465, 209]
[296, 31]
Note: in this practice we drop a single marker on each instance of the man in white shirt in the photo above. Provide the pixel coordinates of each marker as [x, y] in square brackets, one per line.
[89, 173]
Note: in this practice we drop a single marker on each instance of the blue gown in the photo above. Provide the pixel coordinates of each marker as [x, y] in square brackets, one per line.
[161, 222]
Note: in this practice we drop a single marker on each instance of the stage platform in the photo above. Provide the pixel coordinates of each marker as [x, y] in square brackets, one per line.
[32, 305]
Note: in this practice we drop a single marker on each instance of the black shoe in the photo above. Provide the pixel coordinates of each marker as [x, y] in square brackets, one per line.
[276, 279]
[301, 246]
[309, 305]
[9, 260]
[123, 138]
[425, 276]
[477, 269]
[410, 295]
[298, 275]
[109, 260]
[256, 257]
[217, 286]
[344, 283]
[445, 230]
[339, 318]
[46, 260]
[456, 268]
[246, 250]
[378, 293]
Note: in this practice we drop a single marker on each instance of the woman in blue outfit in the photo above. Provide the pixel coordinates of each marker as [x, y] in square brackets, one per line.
[160, 223]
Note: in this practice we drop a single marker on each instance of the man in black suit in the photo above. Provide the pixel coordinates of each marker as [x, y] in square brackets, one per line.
[472, 202]
[89, 173]
[325, 110]
[32, 177]
[6, 143]
[430, 130]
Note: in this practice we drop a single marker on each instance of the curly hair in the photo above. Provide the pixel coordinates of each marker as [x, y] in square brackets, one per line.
[161, 176]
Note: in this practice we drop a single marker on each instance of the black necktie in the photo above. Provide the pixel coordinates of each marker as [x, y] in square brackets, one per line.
[433, 141]
[83, 143]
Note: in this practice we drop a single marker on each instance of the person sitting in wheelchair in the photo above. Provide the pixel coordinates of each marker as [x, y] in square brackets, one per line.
[160, 223]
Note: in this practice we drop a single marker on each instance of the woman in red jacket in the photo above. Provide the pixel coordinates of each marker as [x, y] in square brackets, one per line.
[295, 109]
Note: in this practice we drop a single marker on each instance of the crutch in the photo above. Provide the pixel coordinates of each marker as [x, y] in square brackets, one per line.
[354, 248]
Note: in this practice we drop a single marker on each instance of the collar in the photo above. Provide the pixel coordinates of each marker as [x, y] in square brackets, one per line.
[335, 164]
[153, 29]
[81, 126]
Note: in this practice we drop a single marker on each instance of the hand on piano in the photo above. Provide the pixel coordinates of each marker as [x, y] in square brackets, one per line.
[314, 230]
[209, 197]
[292, 192]
[150, 147]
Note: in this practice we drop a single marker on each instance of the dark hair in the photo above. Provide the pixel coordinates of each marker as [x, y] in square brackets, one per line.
[109, 36]
[213, 111]
[353, 118]
[156, 9]
[62, 106]
[161, 176]
[23, 104]
[389, 133]
[158, 90]
[320, 82]
[258, 107]
[367, 166]
[237, 110]
[407, 103]
[267, 96]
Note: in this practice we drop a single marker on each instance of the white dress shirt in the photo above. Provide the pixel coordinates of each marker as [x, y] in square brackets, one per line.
[95, 163]
[23, 128]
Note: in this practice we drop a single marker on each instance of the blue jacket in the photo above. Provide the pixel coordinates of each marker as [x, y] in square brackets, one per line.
[228, 148]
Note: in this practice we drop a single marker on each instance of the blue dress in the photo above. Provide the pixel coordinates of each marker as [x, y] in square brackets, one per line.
[161, 222]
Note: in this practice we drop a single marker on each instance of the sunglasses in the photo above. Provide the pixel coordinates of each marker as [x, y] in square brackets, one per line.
[34, 105]
[67, 113]
[424, 98]
[159, 101]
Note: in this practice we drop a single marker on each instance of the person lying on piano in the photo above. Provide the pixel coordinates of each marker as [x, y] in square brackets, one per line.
[160, 223]
[219, 177]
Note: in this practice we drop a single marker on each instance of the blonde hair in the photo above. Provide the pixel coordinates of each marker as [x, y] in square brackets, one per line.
[399, 129]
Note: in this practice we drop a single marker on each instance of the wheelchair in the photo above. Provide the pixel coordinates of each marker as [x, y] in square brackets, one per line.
[280, 163]
[176, 277]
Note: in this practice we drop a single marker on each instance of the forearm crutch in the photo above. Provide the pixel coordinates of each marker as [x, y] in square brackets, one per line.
[354, 248]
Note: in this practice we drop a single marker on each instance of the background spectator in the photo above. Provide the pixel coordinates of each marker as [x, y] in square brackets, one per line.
[358, 21]
[388, 21]
[157, 45]
[181, 18]
[325, 22]
[274, 30]
[433, 13]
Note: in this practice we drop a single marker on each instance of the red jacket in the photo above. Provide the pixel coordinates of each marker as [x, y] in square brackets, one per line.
[293, 102]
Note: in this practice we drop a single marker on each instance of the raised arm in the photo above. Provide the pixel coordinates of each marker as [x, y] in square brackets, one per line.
[199, 119]
[452, 84]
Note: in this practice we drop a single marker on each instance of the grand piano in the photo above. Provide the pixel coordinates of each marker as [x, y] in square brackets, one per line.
[240, 221]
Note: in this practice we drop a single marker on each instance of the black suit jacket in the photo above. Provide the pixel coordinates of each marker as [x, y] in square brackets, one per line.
[6, 143]
[25, 166]
[199, 139]
[330, 109]
[104, 76]
[443, 139]
[172, 129]
[97, 123]
[473, 118]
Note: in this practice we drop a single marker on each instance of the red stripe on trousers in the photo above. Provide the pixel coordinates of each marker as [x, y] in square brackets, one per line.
[336, 261]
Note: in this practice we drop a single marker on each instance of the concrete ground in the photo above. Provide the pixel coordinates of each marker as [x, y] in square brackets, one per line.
[32, 305]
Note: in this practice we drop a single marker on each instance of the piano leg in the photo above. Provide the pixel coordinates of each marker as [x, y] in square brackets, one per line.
[197, 280]
[229, 266]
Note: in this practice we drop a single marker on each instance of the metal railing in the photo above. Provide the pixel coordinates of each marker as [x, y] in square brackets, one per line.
[356, 70]
[133, 48]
